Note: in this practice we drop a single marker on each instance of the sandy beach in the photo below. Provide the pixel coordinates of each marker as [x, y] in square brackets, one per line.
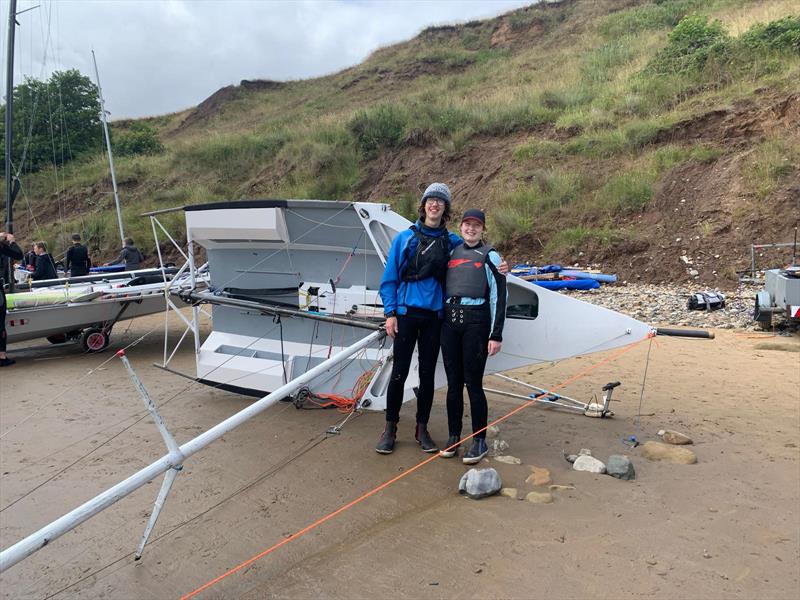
[726, 527]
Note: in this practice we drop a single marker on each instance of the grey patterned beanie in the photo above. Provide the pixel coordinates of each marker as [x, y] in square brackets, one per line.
[437, 190]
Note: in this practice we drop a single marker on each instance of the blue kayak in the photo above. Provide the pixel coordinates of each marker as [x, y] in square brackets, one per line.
[601, 277]
[108, 269]
[568, 284]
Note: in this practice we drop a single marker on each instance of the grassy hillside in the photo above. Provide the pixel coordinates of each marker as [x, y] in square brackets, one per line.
[626, 132]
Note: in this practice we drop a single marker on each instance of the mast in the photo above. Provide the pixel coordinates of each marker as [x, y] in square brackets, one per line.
[10, 188]
[108, 146]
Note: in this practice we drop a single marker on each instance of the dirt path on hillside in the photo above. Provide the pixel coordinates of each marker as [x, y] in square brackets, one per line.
[727, 527]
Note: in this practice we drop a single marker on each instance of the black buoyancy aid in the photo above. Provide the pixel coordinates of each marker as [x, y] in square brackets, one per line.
[429, 259]
[466, 275]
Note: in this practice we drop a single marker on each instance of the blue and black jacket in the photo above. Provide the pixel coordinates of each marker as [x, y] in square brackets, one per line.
[399, 295]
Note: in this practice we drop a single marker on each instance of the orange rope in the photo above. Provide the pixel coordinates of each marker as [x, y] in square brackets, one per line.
[342, 403]
[405, 473]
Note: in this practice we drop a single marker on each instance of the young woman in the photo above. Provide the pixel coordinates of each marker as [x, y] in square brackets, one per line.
[412, 294]
[475, 310]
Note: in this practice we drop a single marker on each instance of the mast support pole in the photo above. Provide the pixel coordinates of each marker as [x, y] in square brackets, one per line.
[10, 179]
[104, 118]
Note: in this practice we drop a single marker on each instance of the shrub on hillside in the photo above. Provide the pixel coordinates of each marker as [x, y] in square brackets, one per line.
[783, 34]
[140, 138]
[690, 45]
[377, 128]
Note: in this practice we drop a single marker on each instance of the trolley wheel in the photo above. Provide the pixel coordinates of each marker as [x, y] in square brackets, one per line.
[94, 340]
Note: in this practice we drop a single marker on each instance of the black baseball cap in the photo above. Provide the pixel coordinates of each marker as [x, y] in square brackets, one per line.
[474, 213]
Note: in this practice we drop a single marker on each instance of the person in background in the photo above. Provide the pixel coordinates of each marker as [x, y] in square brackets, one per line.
[45, 265]
[130, 255]
[474, 314]
[30, 258]
[77, 260]
[9, 252]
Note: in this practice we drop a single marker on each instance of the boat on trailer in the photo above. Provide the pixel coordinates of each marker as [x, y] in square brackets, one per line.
[293, 288]
[87, 308]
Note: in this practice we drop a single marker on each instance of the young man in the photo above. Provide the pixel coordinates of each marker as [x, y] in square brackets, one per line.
[412, 294]
[130, 255]
[45, 265]
[9, 252]
[77, 260]
[475, 311]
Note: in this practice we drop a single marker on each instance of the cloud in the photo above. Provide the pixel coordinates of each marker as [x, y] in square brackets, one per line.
[157, 57]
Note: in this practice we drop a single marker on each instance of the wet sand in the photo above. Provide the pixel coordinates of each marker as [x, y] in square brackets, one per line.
[726, 527]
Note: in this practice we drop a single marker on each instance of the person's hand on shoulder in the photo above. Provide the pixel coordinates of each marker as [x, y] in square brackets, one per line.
[503, 267]
[391, 326]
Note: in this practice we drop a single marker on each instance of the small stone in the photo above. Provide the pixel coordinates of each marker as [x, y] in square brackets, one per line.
[706, 554]
[694, 272]
[559, 488]
[584, 452]
[480, 483]
[652, 562]
[571, 458]
[509, 492]
[539, 497]
[657, 451]
[540, 476]
[492, 431]
[497, 447]
[621, 467]
[509, 460]
[590, 464]
[674, 437]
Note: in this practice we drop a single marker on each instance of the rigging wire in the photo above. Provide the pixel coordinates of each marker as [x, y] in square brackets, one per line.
[142, 415]
[283, 463]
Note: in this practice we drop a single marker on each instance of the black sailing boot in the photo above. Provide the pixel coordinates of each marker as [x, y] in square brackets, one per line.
[389, 435]
[424, 439]
[450, 448]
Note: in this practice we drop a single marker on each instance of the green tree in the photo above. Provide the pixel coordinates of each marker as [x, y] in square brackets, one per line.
[54, 120]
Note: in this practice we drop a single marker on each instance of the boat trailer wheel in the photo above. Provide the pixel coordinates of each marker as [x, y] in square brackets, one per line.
[94, 339]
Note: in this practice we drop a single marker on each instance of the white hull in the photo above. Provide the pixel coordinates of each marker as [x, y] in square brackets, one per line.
[24, 324]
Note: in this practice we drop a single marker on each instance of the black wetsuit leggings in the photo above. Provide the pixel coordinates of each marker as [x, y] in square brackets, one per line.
[465, 341]
[417, 329]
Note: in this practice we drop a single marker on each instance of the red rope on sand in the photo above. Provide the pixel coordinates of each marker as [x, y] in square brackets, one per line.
[405, 473]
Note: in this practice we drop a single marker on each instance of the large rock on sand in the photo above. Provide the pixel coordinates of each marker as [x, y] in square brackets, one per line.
[665, 452]
[480, 483]
[621, 467]
[588, 463]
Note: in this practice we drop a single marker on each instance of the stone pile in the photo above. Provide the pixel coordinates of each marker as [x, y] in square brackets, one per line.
[666, 304]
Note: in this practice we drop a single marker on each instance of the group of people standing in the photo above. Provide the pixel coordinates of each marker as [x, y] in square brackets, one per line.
[41, 264]
[440, 290]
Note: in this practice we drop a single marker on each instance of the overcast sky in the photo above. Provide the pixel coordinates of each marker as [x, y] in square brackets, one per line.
[161, 56]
